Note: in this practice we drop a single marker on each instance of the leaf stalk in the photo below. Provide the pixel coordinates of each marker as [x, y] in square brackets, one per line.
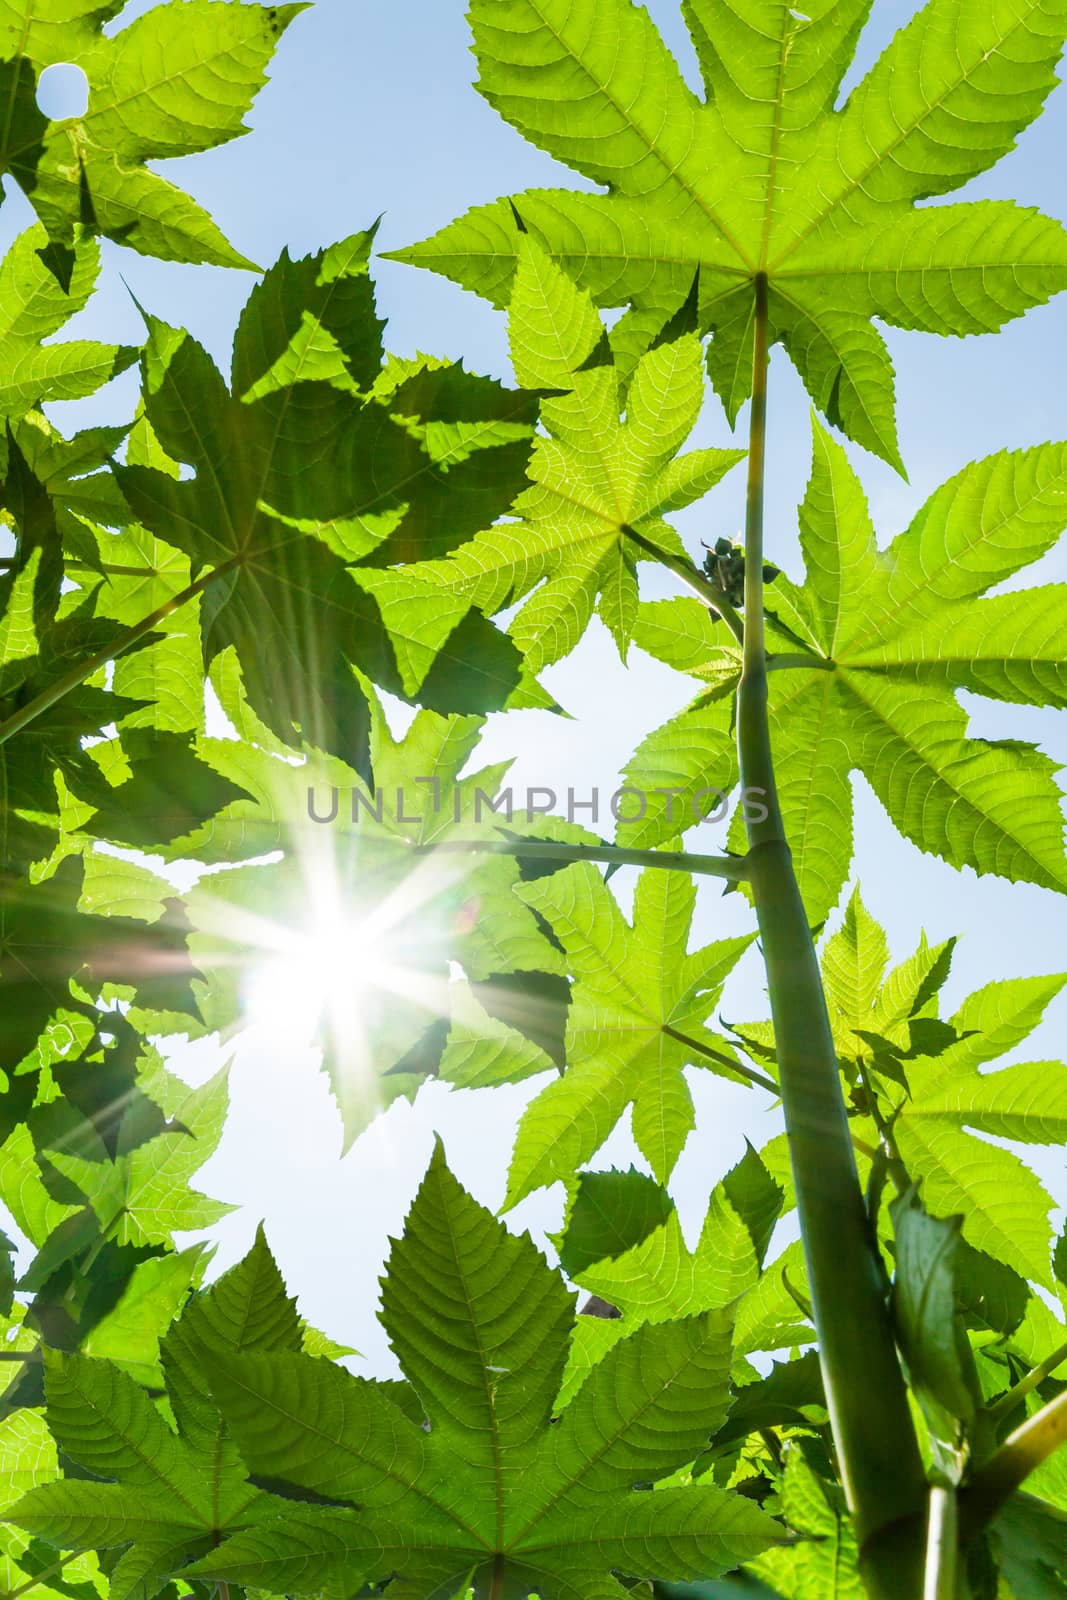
[1039, 1437]
[72, 679]
[733, 868]
[1033, 1380]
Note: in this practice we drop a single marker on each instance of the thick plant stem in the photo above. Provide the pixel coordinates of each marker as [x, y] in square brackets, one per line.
[942, 1546]
[873, 1432]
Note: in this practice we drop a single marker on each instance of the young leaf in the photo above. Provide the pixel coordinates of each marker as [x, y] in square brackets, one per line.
[495, 1494]
[594, 478]
[929, 1325]
[637, 1019]
[766, 177]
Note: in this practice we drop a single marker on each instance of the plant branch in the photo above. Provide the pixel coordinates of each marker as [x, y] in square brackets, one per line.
[874, 1435]
[942, 1545]
[732, 868]
[84, 669]
[1039, 1437]
[1033, 1380]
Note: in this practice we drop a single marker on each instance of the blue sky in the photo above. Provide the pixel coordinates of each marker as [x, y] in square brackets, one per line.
[370, 111]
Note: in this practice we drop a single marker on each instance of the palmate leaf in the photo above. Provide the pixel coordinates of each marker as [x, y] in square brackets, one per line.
[826, 1563]
[313, 462]
[935, 1098]
[27, 1458]
[935, 1090]
[1004, 1205]
[595, 478]
[142, 1196]
[163, 1493]
[892, 635]
[177, 80]
[491, 1493]
[639, 1004]
[657, 1277]
[34, 309]
[765, 177]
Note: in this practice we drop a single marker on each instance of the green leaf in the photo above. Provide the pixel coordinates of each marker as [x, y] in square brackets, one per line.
[853, 966]
[166, 677]
[316, 469]
[33, 370]
[766, 177]
[637, 1019]
[47, 632]
[47, 941]
[141, 1196]
[481, 1326]
[825, 1564]
[680, 774]
[1004, 1206]
[129, 1335]
[895, 634]
[166, 1494]
[595, 477]
[164, 791]
[929, 1327]
[93, 168]
[608, 1214]
[658, 1277]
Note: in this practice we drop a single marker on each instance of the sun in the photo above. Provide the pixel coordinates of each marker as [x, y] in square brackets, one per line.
[317, 980]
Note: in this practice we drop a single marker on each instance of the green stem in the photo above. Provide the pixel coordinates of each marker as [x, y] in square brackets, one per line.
[722, 1058]
[876, 1444]
[788, 661]
[73, 564]
[1033, 1380]
[43, 1576]
[732, 868]
[691, 575]
[942, 1545]
[84, 669]
[1021, 1453]
[29, 1355]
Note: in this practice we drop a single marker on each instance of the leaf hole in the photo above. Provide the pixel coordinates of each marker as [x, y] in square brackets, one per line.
[63, 91]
